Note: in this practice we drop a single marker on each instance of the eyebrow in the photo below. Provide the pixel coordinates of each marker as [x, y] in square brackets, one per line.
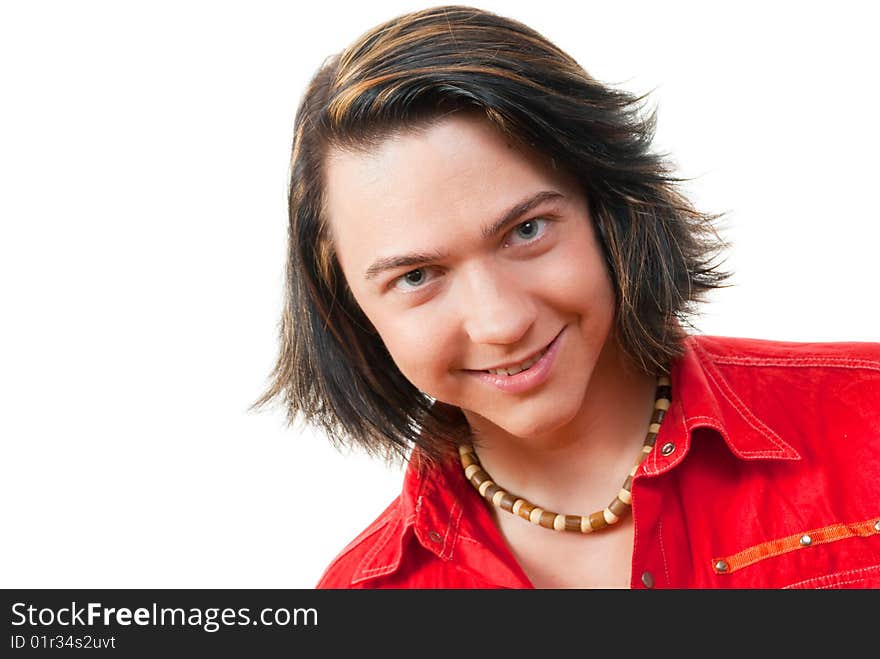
[490, 231]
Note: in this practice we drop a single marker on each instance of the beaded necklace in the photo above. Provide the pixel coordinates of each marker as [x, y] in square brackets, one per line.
[600, 519]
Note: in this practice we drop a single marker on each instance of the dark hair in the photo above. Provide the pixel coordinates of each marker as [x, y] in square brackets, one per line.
[333, 369]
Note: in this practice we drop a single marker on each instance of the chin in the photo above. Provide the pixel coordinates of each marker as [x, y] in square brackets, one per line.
[531, 421]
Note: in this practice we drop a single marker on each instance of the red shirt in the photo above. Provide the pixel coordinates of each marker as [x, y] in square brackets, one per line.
[773, 481]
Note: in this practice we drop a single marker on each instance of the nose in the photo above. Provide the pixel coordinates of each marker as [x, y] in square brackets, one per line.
[496, 306]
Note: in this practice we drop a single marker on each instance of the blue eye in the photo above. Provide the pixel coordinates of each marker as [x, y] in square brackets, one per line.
[527, 231]
[411, 280]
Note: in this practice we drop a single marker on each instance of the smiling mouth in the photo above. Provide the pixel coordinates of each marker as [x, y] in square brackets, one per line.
[519, 368]
[522, 366]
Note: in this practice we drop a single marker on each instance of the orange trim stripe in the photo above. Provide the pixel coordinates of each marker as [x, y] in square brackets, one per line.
[805, 540]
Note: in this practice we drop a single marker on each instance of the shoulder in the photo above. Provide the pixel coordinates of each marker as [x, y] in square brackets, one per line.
[772, 376]
[764, 362]
[788, 399]
[344, 570]
[757, 352]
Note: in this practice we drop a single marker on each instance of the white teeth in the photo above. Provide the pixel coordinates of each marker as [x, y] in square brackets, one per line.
[513, 370]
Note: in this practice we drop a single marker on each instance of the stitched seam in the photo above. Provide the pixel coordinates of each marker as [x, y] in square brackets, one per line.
[746, 414]
[663, 551]
[453, 526]
[455, 531]
[862, 570]
[796, 362]
[375, 550]
[379, 544]
[418, 509]
[779, 546]
[854, 571]
[419, 496]
[837, 583]
[706, 418]
[757, 454]
[369, 532]
[406, 522]
[377, 569]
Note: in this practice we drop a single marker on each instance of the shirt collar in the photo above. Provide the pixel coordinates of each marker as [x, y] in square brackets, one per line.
[704, 396]
[443, 511]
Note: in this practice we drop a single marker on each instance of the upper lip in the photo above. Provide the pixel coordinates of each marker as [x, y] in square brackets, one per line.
[515, 362]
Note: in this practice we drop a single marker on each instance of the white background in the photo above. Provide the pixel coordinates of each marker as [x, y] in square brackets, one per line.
[144, 151]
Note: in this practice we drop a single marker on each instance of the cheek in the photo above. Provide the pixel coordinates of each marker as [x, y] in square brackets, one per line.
[418, 348]
[419, 343]
[576, 278]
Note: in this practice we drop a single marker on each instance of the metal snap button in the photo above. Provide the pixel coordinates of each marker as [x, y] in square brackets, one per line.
[667, 448]
[721, 566]
[877, 525]
[435, 537]
[806, 540]
[648, 579]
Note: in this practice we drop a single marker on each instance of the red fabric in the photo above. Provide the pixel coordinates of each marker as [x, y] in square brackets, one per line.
[772, 439]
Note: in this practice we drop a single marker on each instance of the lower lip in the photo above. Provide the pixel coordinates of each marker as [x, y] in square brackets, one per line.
[523, 381]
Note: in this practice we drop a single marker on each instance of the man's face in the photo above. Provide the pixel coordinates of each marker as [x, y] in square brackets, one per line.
[452, 293]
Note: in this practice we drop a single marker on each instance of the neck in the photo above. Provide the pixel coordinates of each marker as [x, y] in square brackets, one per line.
[578, 467]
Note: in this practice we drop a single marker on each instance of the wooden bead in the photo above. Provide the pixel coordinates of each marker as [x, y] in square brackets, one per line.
[507, 502]
[525, 510]
[547, 519]
[491, 490]
[479, 477]
[610, 517]
[597, 521]
[484, 486]
[618, 507]
[468, 459]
